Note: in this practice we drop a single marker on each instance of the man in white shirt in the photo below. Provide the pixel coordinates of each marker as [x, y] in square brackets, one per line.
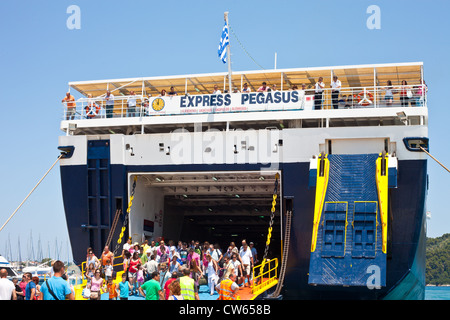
[335, 90]
[216, 90]
[131, 112]
[246, 258]
[151, 265]
[7, 288]
[109, 105]
[318, 94]
[216, 253]
[126, 246]
[153, 248]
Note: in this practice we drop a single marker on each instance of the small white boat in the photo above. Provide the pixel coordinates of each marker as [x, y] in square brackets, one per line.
[42, 271]
[4, 264]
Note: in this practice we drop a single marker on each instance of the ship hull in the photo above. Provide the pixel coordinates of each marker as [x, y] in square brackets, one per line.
[405, 270]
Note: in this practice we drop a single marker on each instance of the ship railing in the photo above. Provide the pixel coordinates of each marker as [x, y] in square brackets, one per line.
[305, 99]
[265, 279]
[374, 97]
[84, 267]
[79, 287]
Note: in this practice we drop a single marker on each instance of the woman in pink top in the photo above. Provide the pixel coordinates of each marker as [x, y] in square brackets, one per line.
[96, 285]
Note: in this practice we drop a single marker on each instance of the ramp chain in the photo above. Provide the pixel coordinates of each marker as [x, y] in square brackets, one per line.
[287, 240]
[125, 222]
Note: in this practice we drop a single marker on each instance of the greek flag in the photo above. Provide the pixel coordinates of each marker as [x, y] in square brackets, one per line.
[223, 44]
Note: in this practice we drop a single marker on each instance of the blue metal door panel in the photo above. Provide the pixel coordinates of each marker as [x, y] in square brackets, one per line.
[98, 172]
[349, 234]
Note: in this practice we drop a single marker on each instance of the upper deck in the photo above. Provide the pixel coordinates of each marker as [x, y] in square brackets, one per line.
[291, 99]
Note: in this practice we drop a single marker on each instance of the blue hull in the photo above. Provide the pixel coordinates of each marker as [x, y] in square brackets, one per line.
[405, 270]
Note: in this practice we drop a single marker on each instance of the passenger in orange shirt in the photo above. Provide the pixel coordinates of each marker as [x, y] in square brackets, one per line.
[111, 288]
[69, 102]
[107, 255]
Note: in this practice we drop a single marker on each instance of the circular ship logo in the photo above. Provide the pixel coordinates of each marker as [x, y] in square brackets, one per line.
[158, 104]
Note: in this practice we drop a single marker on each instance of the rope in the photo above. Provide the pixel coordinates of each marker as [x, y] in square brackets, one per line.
[15, 211]
[242, 47]
[421, 148]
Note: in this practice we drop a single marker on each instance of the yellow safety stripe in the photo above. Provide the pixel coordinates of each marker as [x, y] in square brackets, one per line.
[382, 188]
[186, 291]
[321, 190]
[130, 203]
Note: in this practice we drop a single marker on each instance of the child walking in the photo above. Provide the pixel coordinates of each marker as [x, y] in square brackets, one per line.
[123, 288]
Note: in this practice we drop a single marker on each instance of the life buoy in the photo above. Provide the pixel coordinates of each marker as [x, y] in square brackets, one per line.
[362, 96]
[92, 110]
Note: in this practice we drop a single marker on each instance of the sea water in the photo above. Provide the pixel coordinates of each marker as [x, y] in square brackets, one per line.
[431, 293]
[437, 293]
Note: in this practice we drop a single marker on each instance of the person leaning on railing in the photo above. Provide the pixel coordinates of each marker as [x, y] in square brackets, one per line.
[131, 102]
[246, 89]
[405, 94]
[69, 101]
[263, 87]
[421, 94]
[172, 92]
[109, 106]
[389, 93]
[92, 109]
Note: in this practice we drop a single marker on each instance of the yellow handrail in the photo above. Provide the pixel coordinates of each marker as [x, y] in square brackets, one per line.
[265, 279]
[83, 266]
[78, 289]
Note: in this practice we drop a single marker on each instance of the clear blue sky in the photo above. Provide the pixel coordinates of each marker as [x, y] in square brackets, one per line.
[39, 55]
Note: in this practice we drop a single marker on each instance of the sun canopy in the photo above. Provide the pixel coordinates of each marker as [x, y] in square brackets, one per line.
[284, 79]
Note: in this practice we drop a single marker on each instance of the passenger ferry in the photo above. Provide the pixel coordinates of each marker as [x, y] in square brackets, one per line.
[337, 173]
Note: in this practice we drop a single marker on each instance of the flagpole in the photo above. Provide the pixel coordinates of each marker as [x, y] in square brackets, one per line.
[228, 53]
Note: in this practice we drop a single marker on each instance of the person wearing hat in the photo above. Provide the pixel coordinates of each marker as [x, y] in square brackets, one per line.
[174, 265]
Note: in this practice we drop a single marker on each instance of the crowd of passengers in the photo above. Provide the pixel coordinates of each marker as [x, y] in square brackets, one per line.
[409, 95]
[161, 264]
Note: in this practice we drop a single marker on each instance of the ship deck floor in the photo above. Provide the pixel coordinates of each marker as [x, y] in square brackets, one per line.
[204, 294]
